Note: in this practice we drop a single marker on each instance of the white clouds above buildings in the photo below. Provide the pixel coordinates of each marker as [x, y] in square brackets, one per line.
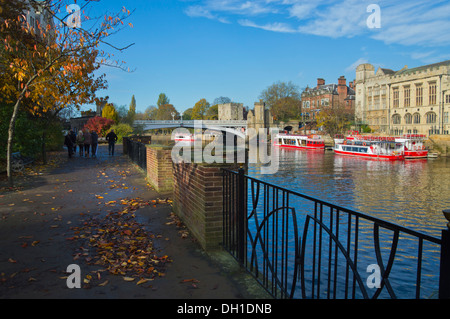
[409, 23]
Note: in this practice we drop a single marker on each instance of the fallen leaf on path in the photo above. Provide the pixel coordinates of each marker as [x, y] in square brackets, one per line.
[143, 281]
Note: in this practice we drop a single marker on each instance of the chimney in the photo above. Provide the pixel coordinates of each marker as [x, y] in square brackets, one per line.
[320, 82]
[342, 88]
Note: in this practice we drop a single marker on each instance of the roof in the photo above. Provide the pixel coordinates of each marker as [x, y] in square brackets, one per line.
[328, 88]
[424, 67]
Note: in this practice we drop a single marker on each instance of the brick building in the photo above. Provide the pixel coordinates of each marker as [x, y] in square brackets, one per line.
[325, 95]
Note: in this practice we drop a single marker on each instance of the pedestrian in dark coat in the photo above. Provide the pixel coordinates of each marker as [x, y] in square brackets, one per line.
[69, 144]
[94, 143]
[112, 139]
[80, 142]
[73, 137]
[87, 142]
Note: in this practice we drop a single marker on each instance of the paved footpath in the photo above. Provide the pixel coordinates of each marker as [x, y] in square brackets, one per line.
[38, 219]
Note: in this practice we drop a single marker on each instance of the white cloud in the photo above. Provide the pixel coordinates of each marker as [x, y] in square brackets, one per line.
[413, 22]
[275, 27]
[353, 66]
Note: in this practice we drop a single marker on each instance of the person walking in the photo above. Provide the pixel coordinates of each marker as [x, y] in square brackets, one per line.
[94, 143]
[69, 143]
[73, 138]
[112, 139]
[80, 142]
[87, 142]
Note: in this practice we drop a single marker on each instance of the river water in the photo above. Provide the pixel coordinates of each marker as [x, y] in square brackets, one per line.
[411, 193]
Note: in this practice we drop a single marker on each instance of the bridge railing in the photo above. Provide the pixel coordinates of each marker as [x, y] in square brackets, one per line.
[300, 247]
[192, 122]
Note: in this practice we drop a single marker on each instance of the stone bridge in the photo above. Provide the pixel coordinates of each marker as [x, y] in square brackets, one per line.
[238, 128]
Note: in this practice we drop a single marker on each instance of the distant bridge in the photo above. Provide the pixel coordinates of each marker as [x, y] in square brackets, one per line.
[233, 127]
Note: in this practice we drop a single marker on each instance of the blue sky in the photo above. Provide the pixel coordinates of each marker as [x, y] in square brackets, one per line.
[194, 49]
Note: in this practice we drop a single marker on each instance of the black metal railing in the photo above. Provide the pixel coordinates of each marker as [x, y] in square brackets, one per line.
[297, 246]
[136, 151]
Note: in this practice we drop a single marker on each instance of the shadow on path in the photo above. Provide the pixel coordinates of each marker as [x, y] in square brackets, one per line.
[39, 218]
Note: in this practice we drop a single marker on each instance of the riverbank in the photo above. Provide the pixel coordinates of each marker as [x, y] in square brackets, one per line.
[48, 222]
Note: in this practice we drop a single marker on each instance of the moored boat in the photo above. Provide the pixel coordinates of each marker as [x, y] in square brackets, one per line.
[380, 148]
[310, 142]
[184, 138]
[414, 146]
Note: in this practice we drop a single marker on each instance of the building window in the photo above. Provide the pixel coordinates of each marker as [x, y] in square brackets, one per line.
[419, 95]
[396, 119]
[396, 99]
[408, 118]
[445, 119]
[407, 93]
[432, 93]
[416, 118]
[447, 98]
[431, 118]
[376, 102]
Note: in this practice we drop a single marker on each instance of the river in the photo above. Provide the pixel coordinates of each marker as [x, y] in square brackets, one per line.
[410, 193]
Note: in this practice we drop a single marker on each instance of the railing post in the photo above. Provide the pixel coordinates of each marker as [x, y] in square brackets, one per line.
[444, 278]
[242, 217]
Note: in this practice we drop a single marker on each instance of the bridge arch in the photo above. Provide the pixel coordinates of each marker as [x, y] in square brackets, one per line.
[232, 127]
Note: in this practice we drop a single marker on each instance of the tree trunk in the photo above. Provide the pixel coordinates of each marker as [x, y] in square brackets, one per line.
[11, 130]
[44, 151]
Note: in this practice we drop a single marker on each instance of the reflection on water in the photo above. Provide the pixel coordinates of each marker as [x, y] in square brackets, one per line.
[410, 193]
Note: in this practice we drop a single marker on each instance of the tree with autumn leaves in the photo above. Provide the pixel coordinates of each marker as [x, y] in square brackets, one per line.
[47, 66]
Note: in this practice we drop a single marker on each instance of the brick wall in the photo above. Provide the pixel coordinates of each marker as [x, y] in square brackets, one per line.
[197, 200]
[159, 168]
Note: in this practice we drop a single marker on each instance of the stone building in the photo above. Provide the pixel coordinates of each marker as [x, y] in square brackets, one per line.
[259, 117]
[231, 112]
[408, 101]
[324, 95]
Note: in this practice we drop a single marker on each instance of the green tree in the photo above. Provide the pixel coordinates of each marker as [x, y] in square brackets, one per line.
[283, 100]
[221, 100]
[131, 111]
[150, 113]
[335, 119]
[109, 112]
[122, 113]
[165, 111]
[213, 112]
[199, 110]
[162, 100]
[122, 130]
[187, 115]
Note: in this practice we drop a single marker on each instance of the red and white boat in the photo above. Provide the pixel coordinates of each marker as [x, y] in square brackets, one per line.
[184, 138]
[414, 146]
[310, 142]
[379, 148]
